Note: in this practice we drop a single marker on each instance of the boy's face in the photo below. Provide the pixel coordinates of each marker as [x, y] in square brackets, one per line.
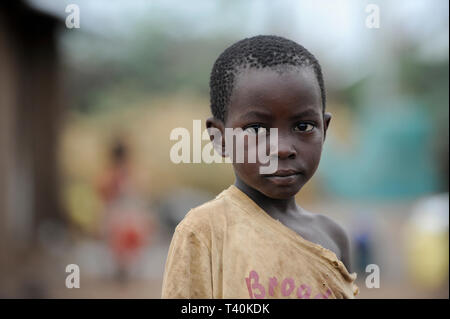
[291, 102]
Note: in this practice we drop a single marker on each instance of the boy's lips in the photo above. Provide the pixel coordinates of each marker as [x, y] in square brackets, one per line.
[283, 173]
[284, 177]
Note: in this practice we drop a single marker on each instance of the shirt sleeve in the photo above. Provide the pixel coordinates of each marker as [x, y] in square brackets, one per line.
[187, 271]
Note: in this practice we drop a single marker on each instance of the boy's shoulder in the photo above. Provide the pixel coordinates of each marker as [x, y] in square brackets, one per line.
[333, 228]
[336, 232]
[207, 216]
[203, 212]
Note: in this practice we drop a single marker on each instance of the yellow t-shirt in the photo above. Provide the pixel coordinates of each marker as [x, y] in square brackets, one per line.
[231, 248]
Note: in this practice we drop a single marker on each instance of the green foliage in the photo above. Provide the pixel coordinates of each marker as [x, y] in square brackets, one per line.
[152, 62]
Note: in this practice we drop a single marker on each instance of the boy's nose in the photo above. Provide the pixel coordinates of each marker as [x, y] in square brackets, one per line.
[286, 150]
[287, 153]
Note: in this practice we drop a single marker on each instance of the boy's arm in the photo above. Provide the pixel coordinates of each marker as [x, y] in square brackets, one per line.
[187, 272]
[341, 238]
[343, 242]
[345, 249]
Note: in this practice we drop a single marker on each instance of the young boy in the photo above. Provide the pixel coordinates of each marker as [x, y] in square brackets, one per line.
[253, 240]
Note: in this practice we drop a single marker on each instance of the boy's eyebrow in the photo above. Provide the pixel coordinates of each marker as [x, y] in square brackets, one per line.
[255, 114]
[308, 112]
[259, 114]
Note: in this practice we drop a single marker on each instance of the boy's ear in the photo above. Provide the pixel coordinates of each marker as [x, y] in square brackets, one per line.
[326, 122]
[216, 131]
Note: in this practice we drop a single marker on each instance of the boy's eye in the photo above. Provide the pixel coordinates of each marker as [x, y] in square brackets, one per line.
[255, 129]
[304, 127]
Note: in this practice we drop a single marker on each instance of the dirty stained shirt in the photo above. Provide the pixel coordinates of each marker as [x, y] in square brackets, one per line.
[231, 248]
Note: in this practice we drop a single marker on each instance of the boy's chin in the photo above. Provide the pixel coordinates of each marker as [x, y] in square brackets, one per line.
[280, 192]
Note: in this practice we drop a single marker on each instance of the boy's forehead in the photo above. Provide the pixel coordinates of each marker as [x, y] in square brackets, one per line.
[263, 87]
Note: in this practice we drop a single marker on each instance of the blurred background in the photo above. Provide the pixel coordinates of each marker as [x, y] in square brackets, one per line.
[86, 114]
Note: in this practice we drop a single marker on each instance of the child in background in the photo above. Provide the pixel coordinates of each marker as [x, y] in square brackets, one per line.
[128, 226]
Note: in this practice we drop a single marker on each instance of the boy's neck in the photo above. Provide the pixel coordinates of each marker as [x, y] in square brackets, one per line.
[269, 205]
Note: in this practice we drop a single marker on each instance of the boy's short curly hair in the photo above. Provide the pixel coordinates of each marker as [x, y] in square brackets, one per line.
[256, 52]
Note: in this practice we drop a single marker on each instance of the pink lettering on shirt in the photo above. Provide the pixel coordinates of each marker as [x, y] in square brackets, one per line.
[258, 291]
[273, 282]
[287, 282]
[255, 285]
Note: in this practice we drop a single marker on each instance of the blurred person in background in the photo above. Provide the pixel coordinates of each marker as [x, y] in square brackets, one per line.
[115, 181]
[127, 225]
